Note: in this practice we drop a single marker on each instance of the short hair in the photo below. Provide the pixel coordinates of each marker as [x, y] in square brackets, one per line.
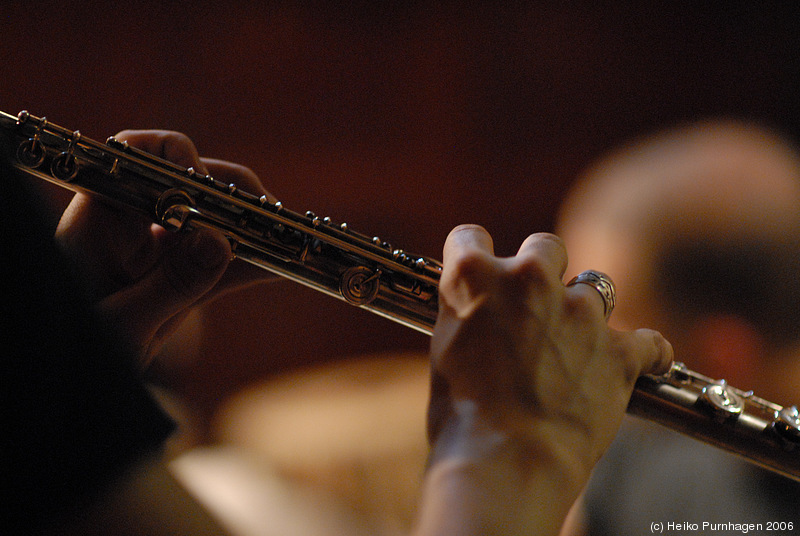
[752, 278]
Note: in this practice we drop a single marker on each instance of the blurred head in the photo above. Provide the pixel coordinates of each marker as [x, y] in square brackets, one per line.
[699, 227]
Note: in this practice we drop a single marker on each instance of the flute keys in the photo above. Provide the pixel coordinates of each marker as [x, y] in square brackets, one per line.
[787, 424]
[64, 167]
[359, 285]
[31, 153]
[724, 403]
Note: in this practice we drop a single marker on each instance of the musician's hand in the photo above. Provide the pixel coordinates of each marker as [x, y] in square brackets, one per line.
[142, 276]
[529, 387]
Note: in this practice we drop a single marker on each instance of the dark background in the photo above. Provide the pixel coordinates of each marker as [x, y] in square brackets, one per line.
[403, 119]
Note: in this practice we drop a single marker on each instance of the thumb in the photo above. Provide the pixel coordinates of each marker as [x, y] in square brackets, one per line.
[189, 265]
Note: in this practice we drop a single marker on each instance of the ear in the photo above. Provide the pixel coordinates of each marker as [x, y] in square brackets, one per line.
[730, 347]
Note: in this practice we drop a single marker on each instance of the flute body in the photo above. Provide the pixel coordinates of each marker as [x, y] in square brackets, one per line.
[365, 271]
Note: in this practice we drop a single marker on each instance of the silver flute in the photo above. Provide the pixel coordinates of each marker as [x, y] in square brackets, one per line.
[365, 271]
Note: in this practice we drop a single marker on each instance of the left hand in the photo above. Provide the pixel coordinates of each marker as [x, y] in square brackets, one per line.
[143, 277]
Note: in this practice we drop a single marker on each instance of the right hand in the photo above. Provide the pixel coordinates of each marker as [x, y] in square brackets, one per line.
[529, 387]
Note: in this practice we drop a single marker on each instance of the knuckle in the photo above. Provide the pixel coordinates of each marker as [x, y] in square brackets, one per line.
[174, 137]
[528, 274]
[246, 175]
[177, 142]
[467, 265]
[244, 170]
[168, 144]
[530, 269]
[237, 174]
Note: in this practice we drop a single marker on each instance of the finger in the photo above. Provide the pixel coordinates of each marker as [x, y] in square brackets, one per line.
[594, 288]
[242, 176]
[550, 251]
[107, 253]
[468, 265]
[585, 301]
[643, 351]
[467, 271]
[187, 270]
[166, 144]
[239, 274]
[179, 148]
[471, 238]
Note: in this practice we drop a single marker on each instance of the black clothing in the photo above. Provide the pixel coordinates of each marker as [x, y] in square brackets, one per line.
[76, 412]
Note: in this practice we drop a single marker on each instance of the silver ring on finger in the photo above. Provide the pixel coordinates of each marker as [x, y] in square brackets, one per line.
[602, 284]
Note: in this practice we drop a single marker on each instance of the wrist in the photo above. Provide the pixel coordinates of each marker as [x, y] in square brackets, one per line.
[504, 475]
[523, 440]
